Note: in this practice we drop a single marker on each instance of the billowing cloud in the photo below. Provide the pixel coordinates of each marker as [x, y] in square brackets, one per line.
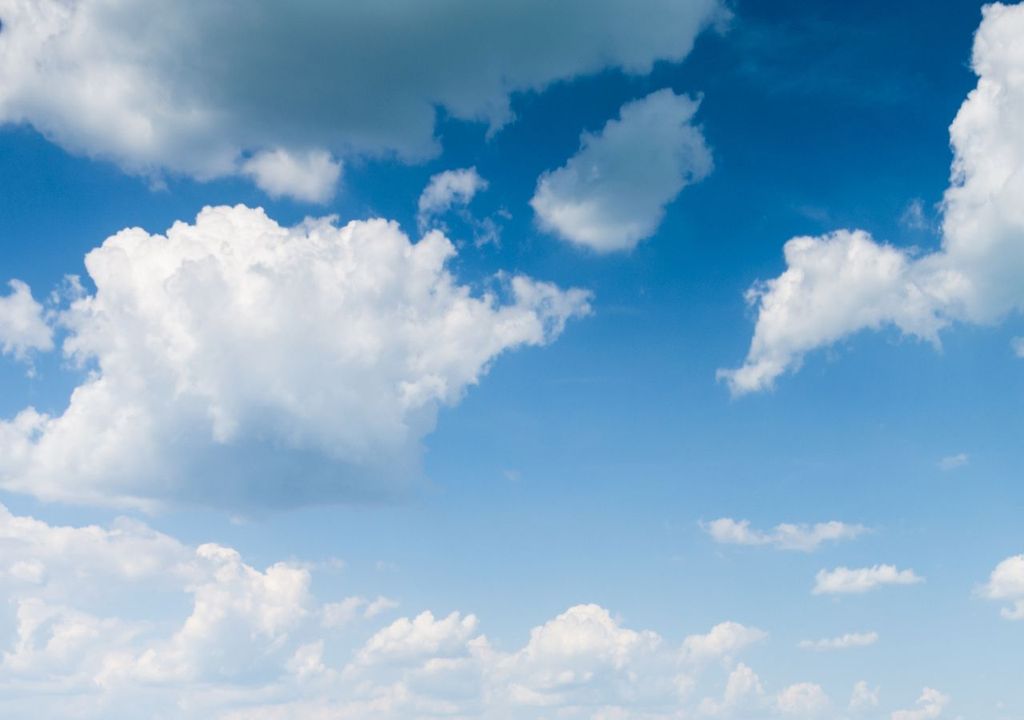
[1007, 583]
[612, 193]
[844, 282]
[842, 642]
[104, 620]
[785, 536]
[843, 580]
[929, 705]
[23, 325]
[806, 700]
[264, 90]
[235, 360]
[864, 698]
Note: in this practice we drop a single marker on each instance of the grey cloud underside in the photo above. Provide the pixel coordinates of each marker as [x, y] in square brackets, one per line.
[194, 87]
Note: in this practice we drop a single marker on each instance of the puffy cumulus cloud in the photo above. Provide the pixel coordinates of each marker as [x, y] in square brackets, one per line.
[842, 642]
[235, 360]
[1007, 583]
[785, 536]
[864, 698]
[803, 700]
[843, 580]
[612, 193]
[116, 618]
[207, 90]
[23, 325]
[845, 282]
[743, 694]
[930, 705]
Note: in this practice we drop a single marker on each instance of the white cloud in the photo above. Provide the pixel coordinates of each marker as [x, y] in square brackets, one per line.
[743, 691]
[612, 193]
[785, 536]
[849, 640]
[863, 698]
[838, 284]
[1017, 345]
[952, 462]
[843, 580]
[192, 88]
[312, 176]
[23, 325]
[290, 364]
[121, 617]
[1007, 583]
[446, 190]
[929, 705]
[723, 641]
[803, 700]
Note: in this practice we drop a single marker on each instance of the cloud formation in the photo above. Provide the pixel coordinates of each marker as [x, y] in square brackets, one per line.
[236, 360]
[446, 190]
[1007, 583]
[849, 640]
[215, 90]
[612, 193]
[929, 705]
[843, 580]
[23, 326]
[844, 282]
[108, 619]
[785, 536]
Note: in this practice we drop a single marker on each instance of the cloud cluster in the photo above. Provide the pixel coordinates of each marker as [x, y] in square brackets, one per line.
[104, 620]
[236, 360]
[843, 580]
[210, 90]
[844, 282]
[929, 705]
[23, 326]
[612, 193]
[785, 536]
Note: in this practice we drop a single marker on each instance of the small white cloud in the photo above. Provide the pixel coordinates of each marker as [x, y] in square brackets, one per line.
[930, 705]
[1007, 583]
[446, 190]
[844, 580]
[863, 698]
[722, 641]
[1017, 345]
[612, 193]
[952, 462]
[311, 176]
[913, 216]
[785, 536]
[23, 326]
[743, 691]
[849, 640]
[806, 700]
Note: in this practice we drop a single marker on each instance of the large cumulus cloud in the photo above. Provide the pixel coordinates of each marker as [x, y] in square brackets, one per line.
[844, 282]
[237, 360]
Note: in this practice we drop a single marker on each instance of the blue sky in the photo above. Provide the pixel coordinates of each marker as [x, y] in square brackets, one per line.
[537, 406]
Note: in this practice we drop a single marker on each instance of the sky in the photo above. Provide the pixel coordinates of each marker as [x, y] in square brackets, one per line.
[596, 360]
